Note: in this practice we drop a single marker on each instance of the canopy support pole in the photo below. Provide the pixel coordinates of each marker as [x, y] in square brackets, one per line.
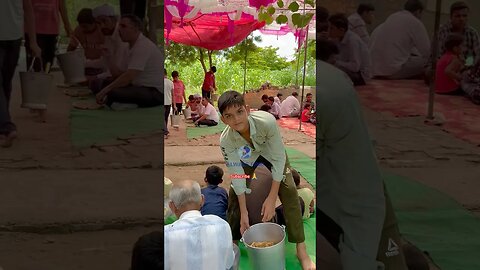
[435, 52]
[303, 79]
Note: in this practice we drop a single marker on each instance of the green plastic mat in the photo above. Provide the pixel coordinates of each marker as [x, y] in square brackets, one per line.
[88, 127]
[435, 223]
[303, 164]
[291, 261]
[197, 132]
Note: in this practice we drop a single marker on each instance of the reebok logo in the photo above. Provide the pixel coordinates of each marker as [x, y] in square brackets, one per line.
[392, 249]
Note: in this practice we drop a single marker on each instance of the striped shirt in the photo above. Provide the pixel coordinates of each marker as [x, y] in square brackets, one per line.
[471, 44]
[196, 242]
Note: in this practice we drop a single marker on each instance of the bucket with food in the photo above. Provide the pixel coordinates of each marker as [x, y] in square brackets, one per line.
[265, 243]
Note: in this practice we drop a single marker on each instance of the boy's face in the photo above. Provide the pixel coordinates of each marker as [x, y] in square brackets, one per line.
[237, 118]
[309, 98]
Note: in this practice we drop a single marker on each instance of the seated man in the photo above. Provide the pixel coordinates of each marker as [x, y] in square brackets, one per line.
[458, 24]
[209, 116]
[290, 106]
[265, 108]
[400, 47]
[90, 37]
[278, 99]
[275, 107]
[142, 82]
[264, 99]
[354, 58]
[309, 100]
[208, 238]
[357, 22]
[115, 50]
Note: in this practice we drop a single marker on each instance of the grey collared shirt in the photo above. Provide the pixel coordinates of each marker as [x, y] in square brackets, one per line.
[267, 142]
[354, 55]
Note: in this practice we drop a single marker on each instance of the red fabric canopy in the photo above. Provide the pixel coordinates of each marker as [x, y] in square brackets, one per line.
[211, 31]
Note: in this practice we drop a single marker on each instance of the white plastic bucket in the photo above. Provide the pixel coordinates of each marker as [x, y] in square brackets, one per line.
[73, 66]
[269, 258]
[187, 112]
[175, 120]
[36, 88]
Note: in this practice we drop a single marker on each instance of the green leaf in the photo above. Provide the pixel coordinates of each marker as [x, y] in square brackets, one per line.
[271, 10]
[269, 20]
[310, 3]
[306, 19]
[262, 17]
[281, 4]
[281, 19]
[293, 7]
[297, 19]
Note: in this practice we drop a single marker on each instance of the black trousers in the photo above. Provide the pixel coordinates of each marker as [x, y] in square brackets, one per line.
[206, 94]
[166, 114]
[179, 108]
[48, 44]
[142, 96]
[9, 54]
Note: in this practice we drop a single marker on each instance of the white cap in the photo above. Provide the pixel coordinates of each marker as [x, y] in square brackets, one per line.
[197, 96]
[103, 10]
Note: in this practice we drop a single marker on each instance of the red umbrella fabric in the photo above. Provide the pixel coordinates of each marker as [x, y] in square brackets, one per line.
[211, 31]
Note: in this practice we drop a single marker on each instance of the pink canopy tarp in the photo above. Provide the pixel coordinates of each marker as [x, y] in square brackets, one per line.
[211, 31]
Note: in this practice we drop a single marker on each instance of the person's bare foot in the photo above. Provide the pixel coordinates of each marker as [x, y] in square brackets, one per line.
[9, 138]
[307, 263]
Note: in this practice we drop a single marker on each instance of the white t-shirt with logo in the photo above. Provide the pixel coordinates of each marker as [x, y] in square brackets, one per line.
[146, 57]
[211, 113]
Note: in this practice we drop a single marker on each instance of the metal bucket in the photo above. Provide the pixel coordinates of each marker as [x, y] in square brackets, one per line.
[269, 258]
[73, 66]
[214, 97]
[187, 112]
[36, 88]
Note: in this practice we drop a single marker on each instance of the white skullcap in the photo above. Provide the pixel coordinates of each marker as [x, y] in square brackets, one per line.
[197, 96]
[103, 10]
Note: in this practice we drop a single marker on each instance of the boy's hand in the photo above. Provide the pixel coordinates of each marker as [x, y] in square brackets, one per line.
[268, 208]
[244, 223]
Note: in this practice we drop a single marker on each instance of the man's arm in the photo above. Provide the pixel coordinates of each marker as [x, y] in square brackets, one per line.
[29, 20]
[421, 41]
[354, 63]
[66, 22]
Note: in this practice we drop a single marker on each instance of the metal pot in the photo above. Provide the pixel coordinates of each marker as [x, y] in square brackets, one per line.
[269, 258]
[73, 66]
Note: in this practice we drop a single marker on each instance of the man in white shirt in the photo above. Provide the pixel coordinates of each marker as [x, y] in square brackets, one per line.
[115, 49]
[15, 17]
[290, 106]
[353, 57]
[167, 95]
[278, 99]
[141, 83]
[209, 115]
[400, 47]
[275, 108]
[357, 22]
[195, 241]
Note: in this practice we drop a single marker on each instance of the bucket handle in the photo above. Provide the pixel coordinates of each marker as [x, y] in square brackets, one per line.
[47, 70]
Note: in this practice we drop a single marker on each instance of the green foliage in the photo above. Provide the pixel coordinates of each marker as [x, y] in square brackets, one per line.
[300, 18]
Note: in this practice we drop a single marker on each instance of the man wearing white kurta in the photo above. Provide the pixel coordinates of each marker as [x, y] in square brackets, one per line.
[290, 107]
[400, 47]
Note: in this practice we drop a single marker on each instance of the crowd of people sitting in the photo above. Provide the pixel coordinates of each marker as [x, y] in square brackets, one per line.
[290, 107]
[208, 209]
[400, 48]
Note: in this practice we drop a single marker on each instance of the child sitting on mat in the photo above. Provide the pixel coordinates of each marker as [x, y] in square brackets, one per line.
[449, 67]
[216, 198]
